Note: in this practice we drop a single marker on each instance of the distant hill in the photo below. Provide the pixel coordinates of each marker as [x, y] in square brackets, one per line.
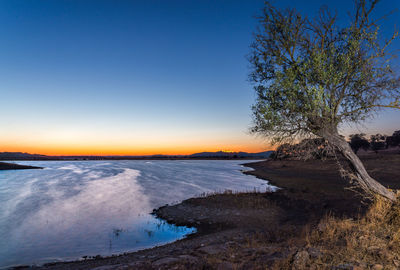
[223, 154]
[21, 156]
[202, 155]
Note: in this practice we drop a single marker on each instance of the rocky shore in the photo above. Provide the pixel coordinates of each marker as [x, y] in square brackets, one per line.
[256, 230]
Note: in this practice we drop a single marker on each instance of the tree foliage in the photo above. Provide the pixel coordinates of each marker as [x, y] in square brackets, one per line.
[378, 142]
[394, 140]
[311, 75]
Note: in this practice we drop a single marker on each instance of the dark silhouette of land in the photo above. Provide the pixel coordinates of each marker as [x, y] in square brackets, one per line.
[13, 166]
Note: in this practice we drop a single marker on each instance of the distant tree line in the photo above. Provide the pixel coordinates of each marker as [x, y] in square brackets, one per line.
[375, 142]
[319, 149]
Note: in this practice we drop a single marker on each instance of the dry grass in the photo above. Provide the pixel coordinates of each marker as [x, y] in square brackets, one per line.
[254, 199]
[370, 242]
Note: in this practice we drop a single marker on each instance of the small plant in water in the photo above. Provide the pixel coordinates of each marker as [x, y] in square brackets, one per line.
[149, 233]
[117, 232]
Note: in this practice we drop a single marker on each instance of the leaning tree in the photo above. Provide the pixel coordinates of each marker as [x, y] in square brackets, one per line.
[312, 75]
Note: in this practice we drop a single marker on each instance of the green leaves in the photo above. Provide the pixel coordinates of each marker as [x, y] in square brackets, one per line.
[311, 75]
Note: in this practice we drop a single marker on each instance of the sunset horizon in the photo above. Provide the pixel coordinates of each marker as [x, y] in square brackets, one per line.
[114, 152]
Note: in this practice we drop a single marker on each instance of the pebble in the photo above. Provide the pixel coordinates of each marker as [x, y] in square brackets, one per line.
[300, 259]
[377, 267]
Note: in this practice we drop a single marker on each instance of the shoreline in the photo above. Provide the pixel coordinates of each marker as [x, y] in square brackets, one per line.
[249, 230]
[13, 166]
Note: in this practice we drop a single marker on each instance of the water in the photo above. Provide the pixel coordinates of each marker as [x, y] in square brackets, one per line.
[72, 209]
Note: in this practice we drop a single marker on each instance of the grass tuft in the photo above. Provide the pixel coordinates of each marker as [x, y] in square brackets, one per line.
[369, 242]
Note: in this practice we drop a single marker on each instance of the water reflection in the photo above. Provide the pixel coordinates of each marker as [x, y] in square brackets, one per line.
[76, 213]
[88, 208]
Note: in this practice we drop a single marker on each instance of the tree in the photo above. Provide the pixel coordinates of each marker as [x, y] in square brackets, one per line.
[394, 140]
[378, 142]
[358, 141]
[312, 75]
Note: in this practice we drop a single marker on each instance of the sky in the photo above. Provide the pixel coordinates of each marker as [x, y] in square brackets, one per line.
[120, 77]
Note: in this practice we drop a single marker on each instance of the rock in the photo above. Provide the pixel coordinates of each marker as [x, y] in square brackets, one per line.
[167, 260]
[300, 259]
[377, 267]
[211, 250]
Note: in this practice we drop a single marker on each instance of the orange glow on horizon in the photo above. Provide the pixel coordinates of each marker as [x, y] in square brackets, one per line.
[98, 144]
[100, 149]
[117, 151]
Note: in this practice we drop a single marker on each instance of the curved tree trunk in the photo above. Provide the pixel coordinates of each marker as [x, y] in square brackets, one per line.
[361, 175]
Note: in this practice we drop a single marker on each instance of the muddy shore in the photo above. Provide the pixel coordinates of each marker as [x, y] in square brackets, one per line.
[253, 230]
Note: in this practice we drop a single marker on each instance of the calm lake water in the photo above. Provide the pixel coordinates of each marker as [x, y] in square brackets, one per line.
[72, 209]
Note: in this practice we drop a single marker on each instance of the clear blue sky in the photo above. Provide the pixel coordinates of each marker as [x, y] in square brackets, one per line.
[129, 77]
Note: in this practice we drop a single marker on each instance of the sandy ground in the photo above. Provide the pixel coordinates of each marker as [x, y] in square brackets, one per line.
[253, 230]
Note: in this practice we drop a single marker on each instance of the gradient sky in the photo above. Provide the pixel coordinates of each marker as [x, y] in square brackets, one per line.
[137, 77]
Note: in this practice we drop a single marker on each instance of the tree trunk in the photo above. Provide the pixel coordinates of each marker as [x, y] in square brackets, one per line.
[362, 177]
